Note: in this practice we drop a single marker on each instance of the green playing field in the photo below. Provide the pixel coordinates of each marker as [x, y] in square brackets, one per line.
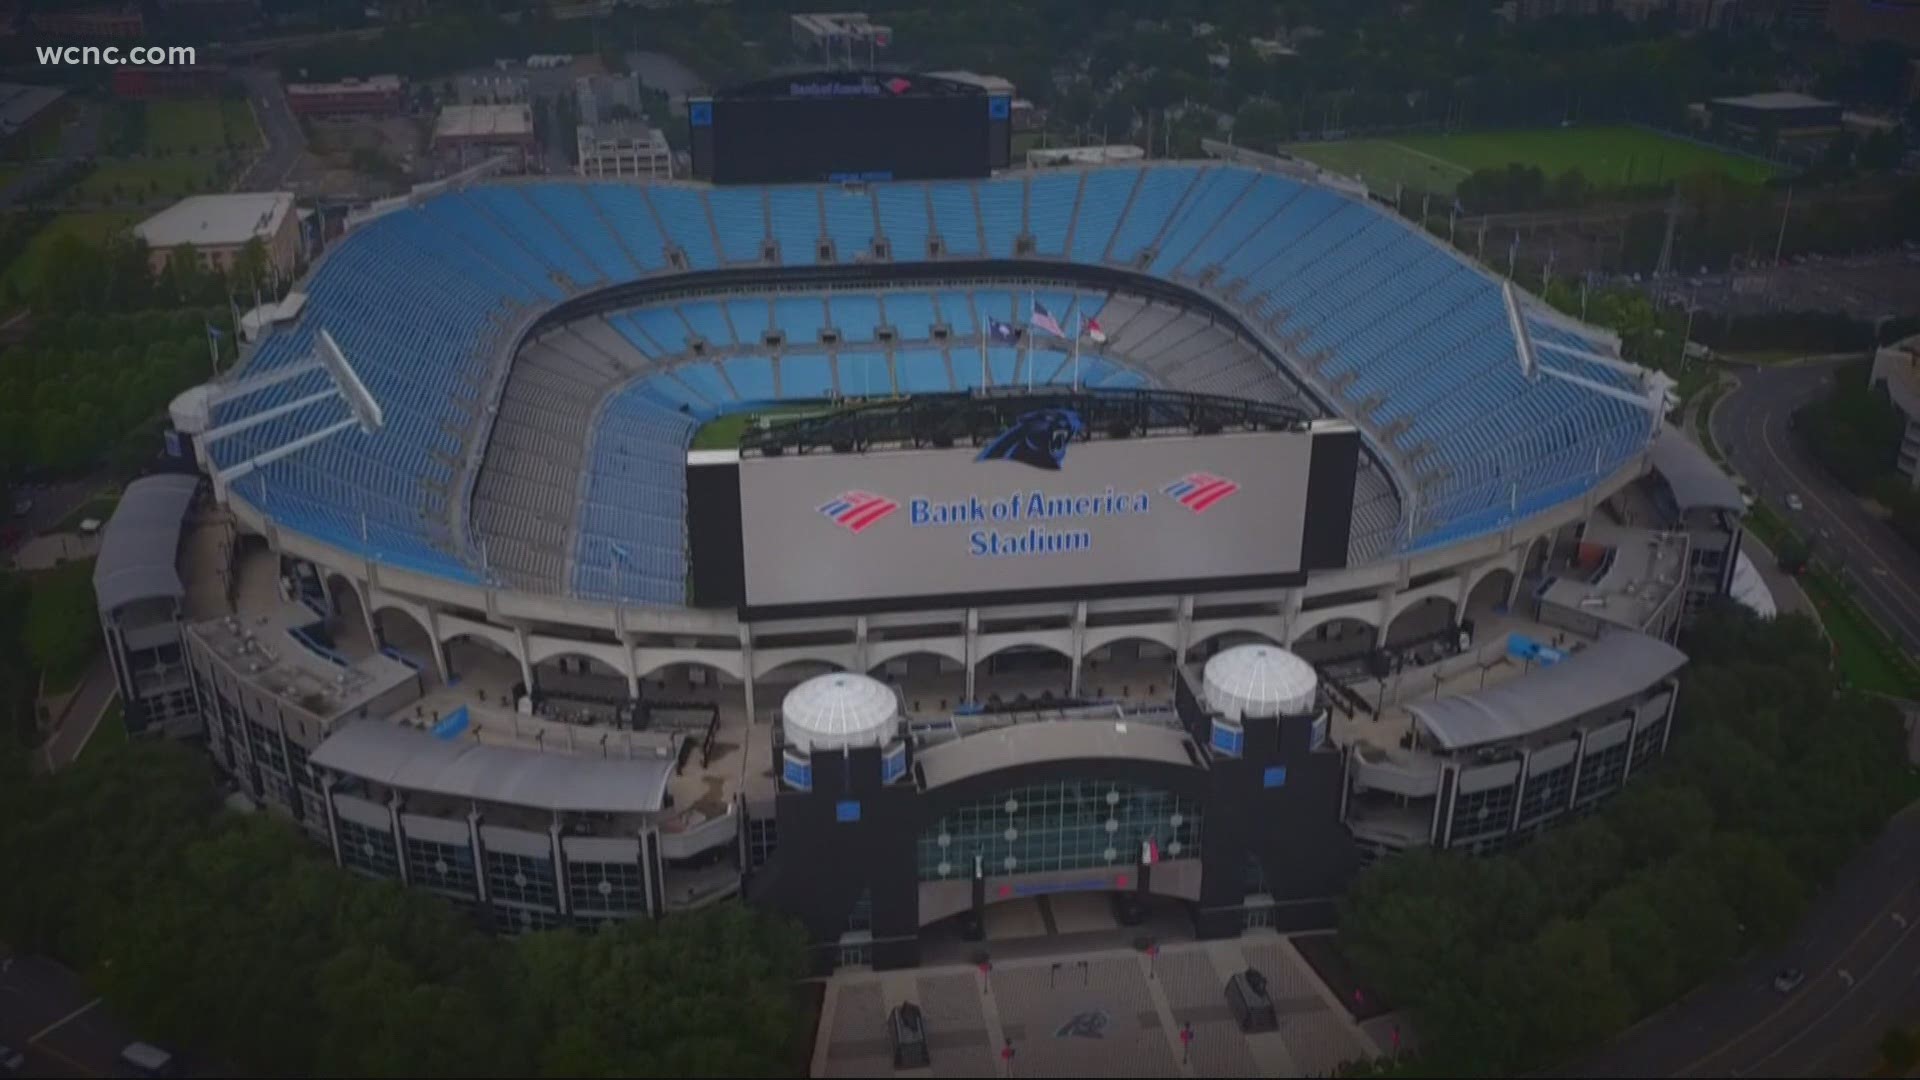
[1606, 155]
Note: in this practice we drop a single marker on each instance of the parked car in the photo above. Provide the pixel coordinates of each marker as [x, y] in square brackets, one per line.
[12, 1062]
[1794, 503]
[1787, 980]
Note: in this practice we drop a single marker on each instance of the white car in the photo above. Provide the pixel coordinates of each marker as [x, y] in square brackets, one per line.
[1794, 503]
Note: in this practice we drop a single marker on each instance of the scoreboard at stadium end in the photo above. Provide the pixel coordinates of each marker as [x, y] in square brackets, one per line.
[841, 126]
[1018, 519]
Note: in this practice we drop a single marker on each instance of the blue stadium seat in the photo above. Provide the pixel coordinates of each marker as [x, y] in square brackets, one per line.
[1050, 202]
[805, 375]
[795, 215]
[904, 220]
[865, 374]
[954, 217]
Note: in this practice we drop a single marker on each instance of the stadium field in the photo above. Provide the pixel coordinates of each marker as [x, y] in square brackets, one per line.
[1606, 155]
[725, 432]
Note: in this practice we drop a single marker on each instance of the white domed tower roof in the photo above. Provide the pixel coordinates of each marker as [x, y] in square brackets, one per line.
[1259, 680]
[842, 709]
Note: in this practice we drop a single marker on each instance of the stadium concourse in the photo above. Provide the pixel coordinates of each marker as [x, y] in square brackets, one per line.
[463, 625]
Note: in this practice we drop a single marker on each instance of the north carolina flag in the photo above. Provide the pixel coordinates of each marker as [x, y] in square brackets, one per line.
[1090, 326]
[1044, 319]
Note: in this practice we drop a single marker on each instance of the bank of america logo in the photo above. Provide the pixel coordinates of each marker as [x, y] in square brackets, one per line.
[856, 511]
[1199, 491]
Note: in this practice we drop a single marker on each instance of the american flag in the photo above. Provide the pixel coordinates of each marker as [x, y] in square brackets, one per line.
[1199, 491]
[856, 511]
[1044, 319]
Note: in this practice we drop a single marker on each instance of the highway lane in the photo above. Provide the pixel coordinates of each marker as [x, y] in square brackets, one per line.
[1860, 950]
[285, 141]
[1751, 425]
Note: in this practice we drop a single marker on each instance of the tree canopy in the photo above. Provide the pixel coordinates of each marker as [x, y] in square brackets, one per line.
[175, 909]
[1517, 961]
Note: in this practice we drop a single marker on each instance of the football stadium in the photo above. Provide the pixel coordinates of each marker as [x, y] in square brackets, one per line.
[882, 547]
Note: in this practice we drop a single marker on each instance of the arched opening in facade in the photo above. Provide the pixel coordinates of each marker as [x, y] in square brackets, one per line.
[1421, 621]
[483, 666]
[1200, 651]
[929, 684]
[1488, 597]
[1335, 639]
[582, 689]
[400, 635]
[1023, 675]
[1127, 669]
[346, 621]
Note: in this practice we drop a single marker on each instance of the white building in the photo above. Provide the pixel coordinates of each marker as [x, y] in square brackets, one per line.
[623, 148]
[217, 228]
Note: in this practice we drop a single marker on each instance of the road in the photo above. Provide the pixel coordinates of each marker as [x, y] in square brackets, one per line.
[281, 130]
[49, 1015]
[1860, 950]
[1751, 426]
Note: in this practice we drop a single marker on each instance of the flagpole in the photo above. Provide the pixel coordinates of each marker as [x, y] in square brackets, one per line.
[983, 355]
[1029, 341]
[1078, 330]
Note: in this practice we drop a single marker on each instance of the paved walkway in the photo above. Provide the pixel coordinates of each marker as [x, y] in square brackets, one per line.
[1102, 1012]
[83, 712]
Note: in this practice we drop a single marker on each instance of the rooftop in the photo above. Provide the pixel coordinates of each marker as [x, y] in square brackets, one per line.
[20, 103]
[369, 85]
[140, 548]
[484, 121]
[401, 757]
[1641, 569]
[1617, 665]
[217, 220]
[269, 644]
[1776, 99]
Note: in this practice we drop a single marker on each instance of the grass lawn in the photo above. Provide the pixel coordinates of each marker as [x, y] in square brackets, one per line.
[109, 733]
[724, 432]
[1866, 657]
[1607, 155]
[242, 130]
[93, 227]
[150, 179]
[197, 126]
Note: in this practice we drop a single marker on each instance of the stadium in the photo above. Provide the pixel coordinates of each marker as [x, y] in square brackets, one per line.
[587, 550]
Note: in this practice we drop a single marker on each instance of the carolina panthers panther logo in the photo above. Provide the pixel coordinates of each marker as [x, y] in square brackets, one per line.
[1038, 438]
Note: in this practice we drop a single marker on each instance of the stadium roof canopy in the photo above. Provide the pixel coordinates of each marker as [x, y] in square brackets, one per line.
[141, 545]
[1056, 740]
[1617, 666]
[217, 220]
[1696, 481]
[402, 757]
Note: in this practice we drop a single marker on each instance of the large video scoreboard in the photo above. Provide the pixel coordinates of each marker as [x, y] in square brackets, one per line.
[826, 530]
[849, 125]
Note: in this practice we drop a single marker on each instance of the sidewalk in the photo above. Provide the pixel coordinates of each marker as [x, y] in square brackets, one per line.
[84, 708]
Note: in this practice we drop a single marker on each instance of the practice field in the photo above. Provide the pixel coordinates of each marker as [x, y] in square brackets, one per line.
[1609, 156]
[199, 126]
[162, 178]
